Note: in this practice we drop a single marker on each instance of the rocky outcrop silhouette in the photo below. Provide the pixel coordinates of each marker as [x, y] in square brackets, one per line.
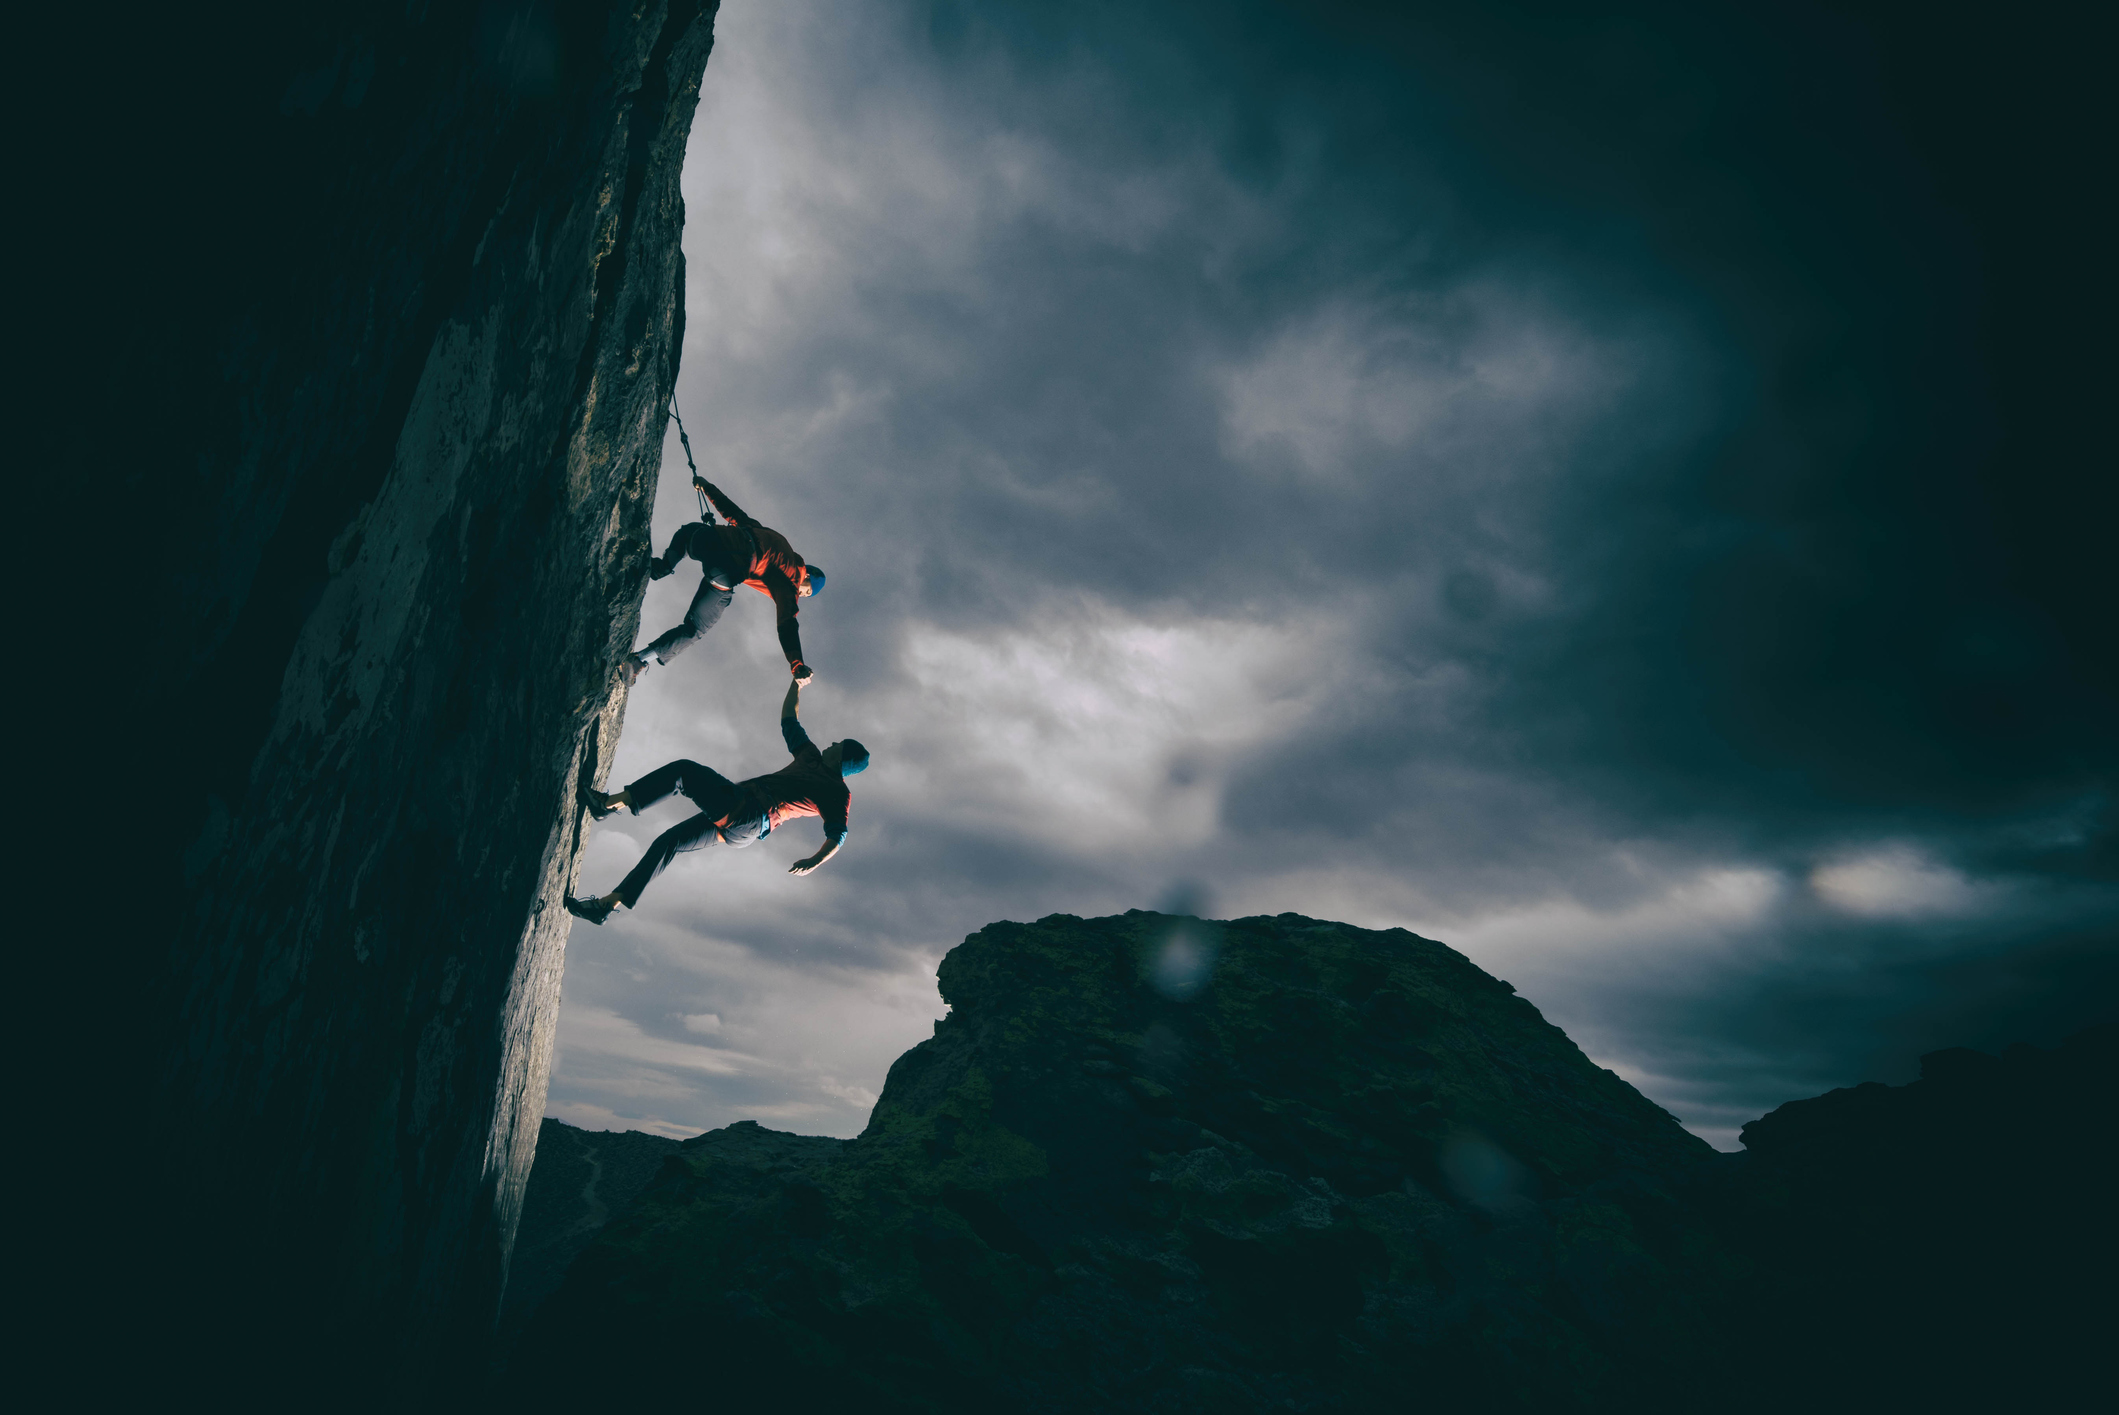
[393, 389]
[1943, 1245]
[1154, 1164]
[1148, 1163]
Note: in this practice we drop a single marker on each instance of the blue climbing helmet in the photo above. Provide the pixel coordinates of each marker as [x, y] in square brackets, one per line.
[814, 578]
[853, 757]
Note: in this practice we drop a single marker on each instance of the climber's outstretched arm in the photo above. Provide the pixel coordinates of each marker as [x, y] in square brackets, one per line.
[680, 546]
[729, 510]
[785, 604]
[803, 867]
[798, 742]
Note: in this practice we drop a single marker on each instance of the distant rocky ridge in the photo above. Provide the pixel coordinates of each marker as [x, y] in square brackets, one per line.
[1154, 1164]
[1149, 1163]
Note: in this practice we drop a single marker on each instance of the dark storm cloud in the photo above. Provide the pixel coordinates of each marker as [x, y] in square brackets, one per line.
[1543, 479]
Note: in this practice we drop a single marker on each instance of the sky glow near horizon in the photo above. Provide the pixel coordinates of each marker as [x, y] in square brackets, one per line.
[1284, 532]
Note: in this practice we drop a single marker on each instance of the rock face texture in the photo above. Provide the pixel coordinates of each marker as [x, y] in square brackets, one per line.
[1153, 1164]
[581, 1181]
[408, 395]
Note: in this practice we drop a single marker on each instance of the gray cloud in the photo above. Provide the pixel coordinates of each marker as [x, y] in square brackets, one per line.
[1251, 474]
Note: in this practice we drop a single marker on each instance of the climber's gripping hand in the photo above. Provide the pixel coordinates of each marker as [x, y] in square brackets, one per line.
[804, 866]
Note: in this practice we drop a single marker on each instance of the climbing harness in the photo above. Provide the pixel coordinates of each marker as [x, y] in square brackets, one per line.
[705, 513]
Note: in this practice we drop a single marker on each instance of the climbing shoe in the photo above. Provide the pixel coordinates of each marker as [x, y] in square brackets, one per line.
[594, 910]
[597, 803]
[631, 667]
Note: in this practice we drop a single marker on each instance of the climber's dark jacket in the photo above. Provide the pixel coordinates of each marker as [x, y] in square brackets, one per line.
[804, 787]
[740, 553]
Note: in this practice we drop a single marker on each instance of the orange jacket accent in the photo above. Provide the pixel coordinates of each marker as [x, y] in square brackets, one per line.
[775, 569]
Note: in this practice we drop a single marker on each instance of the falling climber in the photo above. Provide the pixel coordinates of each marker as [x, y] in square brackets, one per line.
[734, 813]
[739, 553]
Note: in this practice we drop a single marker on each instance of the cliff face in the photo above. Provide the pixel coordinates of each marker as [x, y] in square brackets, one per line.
[409, 395]
[1151, 1164]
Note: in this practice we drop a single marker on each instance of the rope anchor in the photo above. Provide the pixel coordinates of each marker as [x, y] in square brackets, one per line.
[705, 513]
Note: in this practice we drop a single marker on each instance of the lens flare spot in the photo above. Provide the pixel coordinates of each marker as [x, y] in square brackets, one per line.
[1183, 964]
[1486, 1176]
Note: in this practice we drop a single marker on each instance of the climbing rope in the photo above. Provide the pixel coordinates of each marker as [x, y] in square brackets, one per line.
[705, 513]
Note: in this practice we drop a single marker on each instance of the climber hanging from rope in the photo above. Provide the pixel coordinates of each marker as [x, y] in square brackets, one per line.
[739, 553]
[731, 812]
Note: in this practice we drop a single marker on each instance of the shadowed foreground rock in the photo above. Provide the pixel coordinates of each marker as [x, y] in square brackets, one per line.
[1151, 1164]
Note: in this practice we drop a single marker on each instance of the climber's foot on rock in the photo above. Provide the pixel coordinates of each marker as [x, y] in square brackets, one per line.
[599, 804]
[594, 910]
[631, 667]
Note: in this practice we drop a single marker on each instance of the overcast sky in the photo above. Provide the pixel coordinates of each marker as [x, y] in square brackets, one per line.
[1545, 484]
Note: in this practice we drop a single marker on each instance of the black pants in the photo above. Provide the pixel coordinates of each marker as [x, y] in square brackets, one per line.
[715, 796]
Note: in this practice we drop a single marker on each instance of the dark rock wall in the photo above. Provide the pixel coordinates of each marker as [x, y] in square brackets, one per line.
[1336, 1170]
[399, 321]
